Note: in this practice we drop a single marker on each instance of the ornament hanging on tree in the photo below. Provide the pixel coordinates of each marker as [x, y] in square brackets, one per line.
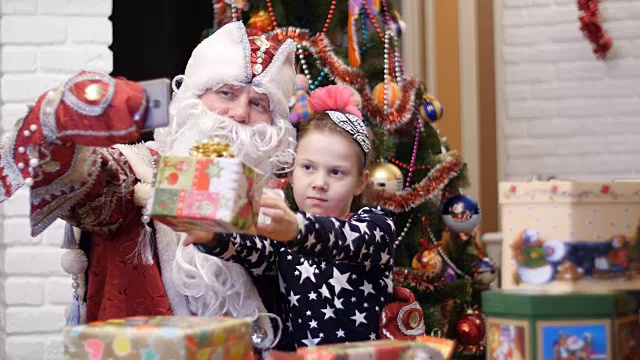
[431, 109]
[387, 177]
[470, 328]
[300, 110]
[450, 275]
[428, 261]
[394, 93]
[237, 3]
[260, 21]
[397, 25]
[353, 52]
[461, 213]
[484, 272]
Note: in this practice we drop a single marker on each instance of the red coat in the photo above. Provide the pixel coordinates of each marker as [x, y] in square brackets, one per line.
[104, 209]
[90, 187]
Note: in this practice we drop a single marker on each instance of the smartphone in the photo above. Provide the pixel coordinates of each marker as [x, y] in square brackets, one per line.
[158, 93]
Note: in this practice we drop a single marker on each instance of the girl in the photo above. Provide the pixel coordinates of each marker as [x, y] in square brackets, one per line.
[333, 267]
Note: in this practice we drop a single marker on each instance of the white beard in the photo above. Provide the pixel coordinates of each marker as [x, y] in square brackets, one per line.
[215, 287]
[267, 148]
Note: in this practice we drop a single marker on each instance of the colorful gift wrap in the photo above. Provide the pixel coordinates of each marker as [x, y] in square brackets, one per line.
[160, 337]
[627, 330]
[570, 235]
[212, 194]
[424, 347]
[529, 324]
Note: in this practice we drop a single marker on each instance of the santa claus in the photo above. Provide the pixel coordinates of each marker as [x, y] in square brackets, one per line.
[236, 88]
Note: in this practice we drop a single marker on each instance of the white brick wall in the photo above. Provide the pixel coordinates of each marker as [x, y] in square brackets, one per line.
[567, 113]
[42, 43]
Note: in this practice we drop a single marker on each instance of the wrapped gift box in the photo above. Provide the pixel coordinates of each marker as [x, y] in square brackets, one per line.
[160, 337]
[530, 324]
[212, 194]
[425, 347]
[570, 235]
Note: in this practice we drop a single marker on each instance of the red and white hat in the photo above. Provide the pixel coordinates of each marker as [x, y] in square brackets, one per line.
[231, 56]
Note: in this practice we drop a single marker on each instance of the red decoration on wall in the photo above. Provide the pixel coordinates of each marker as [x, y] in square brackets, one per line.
[592, 29]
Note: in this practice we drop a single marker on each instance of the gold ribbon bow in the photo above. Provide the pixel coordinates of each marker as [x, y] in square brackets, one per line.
[211, 148]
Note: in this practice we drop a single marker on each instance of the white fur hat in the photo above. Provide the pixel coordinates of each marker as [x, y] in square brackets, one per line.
[225, 58]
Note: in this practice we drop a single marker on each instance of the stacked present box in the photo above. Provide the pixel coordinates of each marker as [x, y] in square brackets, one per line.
[424, 347]
[160, 337]
[530, 324]
[570, 264]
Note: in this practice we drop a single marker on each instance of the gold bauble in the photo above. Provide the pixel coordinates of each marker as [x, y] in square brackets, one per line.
[414, 319]
[261, 21]
[428, 261]
[387, 177]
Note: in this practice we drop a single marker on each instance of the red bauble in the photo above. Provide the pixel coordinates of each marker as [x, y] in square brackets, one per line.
[470, 329]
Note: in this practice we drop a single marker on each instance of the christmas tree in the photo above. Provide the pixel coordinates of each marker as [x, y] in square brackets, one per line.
[417, 178]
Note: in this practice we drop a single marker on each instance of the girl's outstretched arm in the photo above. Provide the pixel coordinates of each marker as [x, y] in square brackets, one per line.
[254, 253]
[367, 237]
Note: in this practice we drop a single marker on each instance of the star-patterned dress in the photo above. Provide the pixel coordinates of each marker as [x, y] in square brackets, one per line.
[334, 278]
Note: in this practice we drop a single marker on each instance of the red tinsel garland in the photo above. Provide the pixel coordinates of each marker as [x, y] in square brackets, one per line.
[402, 112]
[342, 73]
[425, 190]
[417, 281]
[592, 29]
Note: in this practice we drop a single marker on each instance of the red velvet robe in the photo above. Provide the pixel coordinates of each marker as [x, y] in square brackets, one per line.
[93, 189]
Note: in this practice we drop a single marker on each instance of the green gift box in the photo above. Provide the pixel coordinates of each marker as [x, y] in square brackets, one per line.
[537, 325]
[206, 193]
[160, 337]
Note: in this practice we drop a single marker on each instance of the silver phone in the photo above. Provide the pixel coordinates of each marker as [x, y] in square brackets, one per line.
[158, 93]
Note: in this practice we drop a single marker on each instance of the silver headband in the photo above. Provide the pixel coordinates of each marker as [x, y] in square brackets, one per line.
[353, 126]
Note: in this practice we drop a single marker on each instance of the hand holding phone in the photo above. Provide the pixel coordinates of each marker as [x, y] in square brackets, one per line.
[158, 93]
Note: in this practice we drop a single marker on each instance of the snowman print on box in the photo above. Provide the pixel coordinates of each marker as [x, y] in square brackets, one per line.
[534, 257]
[539, 261]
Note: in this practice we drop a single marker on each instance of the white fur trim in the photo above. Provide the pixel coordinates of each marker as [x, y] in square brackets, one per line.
[142, 192]
[278, 80]
[76, 233]
[224, 58]
[167, 242]
[143, 171]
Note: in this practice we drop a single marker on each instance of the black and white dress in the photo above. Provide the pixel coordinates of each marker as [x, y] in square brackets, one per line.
[334, 278]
